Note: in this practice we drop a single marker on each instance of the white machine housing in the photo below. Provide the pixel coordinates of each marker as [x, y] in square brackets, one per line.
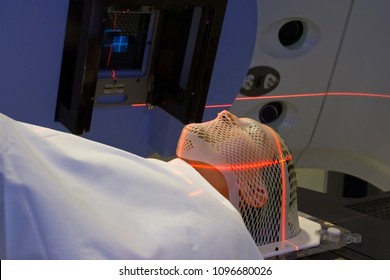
[334, 88]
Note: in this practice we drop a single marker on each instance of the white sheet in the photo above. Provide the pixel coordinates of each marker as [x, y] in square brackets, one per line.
[65, 197]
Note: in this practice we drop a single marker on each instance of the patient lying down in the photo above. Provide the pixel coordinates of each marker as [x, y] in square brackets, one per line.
[65, 197]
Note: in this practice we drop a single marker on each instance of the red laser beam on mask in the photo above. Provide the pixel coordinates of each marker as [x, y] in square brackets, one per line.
[243, 166]
[284, 184]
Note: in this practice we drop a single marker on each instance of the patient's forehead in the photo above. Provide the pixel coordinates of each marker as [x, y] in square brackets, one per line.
[228, 120]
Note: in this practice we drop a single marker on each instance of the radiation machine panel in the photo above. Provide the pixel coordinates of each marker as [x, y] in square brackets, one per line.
[319, 75]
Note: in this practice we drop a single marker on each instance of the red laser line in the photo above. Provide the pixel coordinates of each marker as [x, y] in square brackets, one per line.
[292, 244]
[281, 96]
[218, 106]
[303, 95]
[110, 53]
[284, 185]
[359, 94]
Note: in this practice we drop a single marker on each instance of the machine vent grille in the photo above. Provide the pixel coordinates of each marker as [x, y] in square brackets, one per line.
[378, 208]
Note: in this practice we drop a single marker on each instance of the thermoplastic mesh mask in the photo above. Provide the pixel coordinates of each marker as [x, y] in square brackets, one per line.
[258, 169]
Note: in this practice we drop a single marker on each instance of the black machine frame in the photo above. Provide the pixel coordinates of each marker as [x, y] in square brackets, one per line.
[182, 60]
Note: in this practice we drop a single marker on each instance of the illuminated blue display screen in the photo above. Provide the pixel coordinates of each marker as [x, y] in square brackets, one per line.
[125, 43]
[120, 43]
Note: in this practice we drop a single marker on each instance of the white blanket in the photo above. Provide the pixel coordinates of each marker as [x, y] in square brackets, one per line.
[65, 197]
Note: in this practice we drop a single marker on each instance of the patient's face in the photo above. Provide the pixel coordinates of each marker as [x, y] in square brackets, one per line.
[233, 146]
[256, 166]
